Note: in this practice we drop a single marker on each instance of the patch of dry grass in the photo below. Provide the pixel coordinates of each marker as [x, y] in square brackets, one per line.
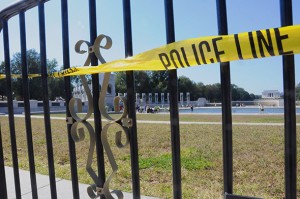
[258, 156]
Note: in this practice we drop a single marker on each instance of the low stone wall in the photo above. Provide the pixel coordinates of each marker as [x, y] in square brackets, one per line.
[60, 106]
[35, 106]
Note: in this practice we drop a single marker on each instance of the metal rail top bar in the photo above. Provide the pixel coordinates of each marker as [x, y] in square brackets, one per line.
[15, 8]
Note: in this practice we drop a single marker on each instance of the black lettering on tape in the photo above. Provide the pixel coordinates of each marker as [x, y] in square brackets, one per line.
[217, 52]
[279, 39]
[252, 45]
[164, 60]
[196, 54]
[201, 44]
[184, 56]
[172, 52]
[262, 41]
[238, 46]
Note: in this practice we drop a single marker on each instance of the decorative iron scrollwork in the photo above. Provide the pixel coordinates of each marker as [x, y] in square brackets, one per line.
[78, 134]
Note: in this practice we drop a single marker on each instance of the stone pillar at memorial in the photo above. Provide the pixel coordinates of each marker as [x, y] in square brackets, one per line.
[74, 92]
[168, 98]
[120, 94]
[181, 99]
[125, 94]
[143, 98]
[188, 98]
[81, 92]
[83, 98]
[156, 98]
[137, 98]
[150, 98]
[162, 98]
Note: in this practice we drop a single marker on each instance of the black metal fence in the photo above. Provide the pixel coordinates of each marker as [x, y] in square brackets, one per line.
[20, 7]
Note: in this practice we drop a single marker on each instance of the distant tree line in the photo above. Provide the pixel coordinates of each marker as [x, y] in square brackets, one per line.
[55, 85]
[157, 82]
[145, 82]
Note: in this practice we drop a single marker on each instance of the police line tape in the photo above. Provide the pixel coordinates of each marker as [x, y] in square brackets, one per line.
[14, 76]
[202, 50]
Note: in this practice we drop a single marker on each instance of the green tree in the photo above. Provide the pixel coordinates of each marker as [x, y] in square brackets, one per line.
[186, 85]
[56, 88]
[142, 82]
[121, 82]
[212, 92]
[240, 94]
[199, 92]
[35, 84]
[159, 81]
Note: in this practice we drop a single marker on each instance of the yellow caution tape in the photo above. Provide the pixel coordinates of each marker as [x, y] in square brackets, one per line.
[203, 50]
[14, 76]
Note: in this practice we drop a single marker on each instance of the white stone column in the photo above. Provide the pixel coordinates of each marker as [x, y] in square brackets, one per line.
[150, 98]
[168, 98]
[137, 98]
[181, 98]
[188, 99]
[156, 98]
[144, 98]
[162, 98]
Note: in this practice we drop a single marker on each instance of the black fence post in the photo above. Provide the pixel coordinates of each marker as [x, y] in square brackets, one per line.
[289, 110]
[131, 103]
[96, 91]
[174, 113]
[11, 110]
[25, 84]
[47, 121]
[66, 62]
[226, 105]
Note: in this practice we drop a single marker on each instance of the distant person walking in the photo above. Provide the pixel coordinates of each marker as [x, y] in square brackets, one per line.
[261, 107]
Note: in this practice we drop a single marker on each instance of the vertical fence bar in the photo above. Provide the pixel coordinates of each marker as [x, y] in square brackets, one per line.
[226, 105]
[25, 84]
[289, 109]
[131, 102]
[11, 110]
[96, 91]
[3, 188]
[66, 62]
[174, 114]
[46, 101]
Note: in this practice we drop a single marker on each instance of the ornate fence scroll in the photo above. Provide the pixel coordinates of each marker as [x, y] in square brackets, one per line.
[78, 134]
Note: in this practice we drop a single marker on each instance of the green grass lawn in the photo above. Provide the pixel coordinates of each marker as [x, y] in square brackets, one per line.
[258, 153]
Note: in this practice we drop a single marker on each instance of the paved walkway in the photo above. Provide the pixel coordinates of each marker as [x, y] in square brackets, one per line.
[181, 122]
[64, 187]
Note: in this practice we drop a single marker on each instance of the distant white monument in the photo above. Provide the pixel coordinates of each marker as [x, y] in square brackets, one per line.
[79, 92]
[270, 94]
